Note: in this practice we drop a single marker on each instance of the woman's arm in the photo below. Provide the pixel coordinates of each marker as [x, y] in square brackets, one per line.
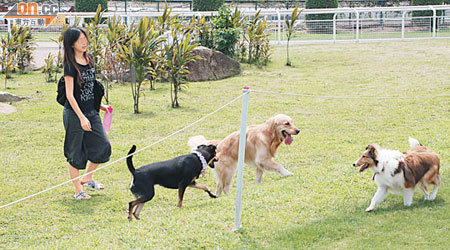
[85, 124]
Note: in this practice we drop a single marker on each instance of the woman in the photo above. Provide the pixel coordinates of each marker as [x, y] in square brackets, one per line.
[85, 137]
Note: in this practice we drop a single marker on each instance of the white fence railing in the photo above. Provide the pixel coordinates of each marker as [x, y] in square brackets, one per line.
[332, 25]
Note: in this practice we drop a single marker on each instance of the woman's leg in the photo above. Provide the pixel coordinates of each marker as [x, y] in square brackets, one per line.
[73, 174]
[91, 167]
[97, 185]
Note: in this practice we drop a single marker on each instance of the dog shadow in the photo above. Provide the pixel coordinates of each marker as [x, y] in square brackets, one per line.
[346, 221]
[417, 204]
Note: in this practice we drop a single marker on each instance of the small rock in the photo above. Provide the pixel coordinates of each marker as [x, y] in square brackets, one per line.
[7, 97]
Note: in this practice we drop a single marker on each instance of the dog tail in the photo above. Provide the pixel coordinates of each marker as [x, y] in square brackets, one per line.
[197, 140]
[130, 160]
[413, 142]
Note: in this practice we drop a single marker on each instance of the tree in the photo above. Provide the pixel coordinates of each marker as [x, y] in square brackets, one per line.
[320, 4]
[290, 26]
[90, 5]
[142, 49]
[204, 5]
[427, 13]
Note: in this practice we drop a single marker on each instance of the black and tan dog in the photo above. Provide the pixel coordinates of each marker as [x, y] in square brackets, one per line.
[177, 173]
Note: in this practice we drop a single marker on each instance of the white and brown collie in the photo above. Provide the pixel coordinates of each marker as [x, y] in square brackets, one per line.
[399, 173]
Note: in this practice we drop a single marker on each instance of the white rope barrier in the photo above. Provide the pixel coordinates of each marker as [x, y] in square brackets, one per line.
[349, 97]
[120, 159]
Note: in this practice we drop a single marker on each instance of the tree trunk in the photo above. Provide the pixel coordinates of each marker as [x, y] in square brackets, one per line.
[136, 111]
[288, 62]
[171, 93]
[250, 46]
[175, 92]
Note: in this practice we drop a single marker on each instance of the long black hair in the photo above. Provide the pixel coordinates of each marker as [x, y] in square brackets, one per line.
[70, 37]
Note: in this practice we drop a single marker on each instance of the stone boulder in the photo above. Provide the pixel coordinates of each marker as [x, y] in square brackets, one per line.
[7, 97]
[214, 66]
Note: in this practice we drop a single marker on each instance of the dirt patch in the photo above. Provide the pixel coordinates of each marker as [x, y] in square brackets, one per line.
[7, 109]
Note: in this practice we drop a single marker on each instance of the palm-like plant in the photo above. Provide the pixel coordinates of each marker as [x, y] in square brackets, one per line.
[203, 29]
[165, 20]
[7, 60]
[115, 35]
[50, 67]
[96, 44]
[178, 54]
[142, 49]
[290, 30]
[24, 40]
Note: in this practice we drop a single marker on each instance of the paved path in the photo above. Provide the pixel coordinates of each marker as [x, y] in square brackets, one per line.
[41, 53]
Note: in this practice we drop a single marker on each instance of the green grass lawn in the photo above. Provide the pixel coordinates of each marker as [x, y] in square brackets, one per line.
[320, 207]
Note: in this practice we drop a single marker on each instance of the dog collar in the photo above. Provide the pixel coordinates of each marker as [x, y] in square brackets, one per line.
[202, 158]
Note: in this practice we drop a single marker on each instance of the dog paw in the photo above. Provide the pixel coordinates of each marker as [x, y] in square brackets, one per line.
[287, 174]
[212, 195]
[369, 209]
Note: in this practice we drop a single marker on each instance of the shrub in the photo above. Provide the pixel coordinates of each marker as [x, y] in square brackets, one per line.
[320, 4]
[257, 38]
[204, 5]
[90, 5]
[426, 12]
[226, 30]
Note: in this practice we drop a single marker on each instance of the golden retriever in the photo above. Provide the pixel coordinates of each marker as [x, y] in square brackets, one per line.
[262, 143]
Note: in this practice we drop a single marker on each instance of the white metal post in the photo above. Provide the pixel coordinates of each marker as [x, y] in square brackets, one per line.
[279, 27]
[334, 27]
[9, 27]
[434, 20]
[403, 24]
[357, 25]
[241, 157]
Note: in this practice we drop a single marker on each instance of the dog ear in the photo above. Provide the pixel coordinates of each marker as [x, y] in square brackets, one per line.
[211, 163]
[272, 125]
[407, 173]
[201, 146]
[372, 150]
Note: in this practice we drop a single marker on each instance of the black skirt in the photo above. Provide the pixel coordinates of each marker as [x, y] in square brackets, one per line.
[81, 146]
